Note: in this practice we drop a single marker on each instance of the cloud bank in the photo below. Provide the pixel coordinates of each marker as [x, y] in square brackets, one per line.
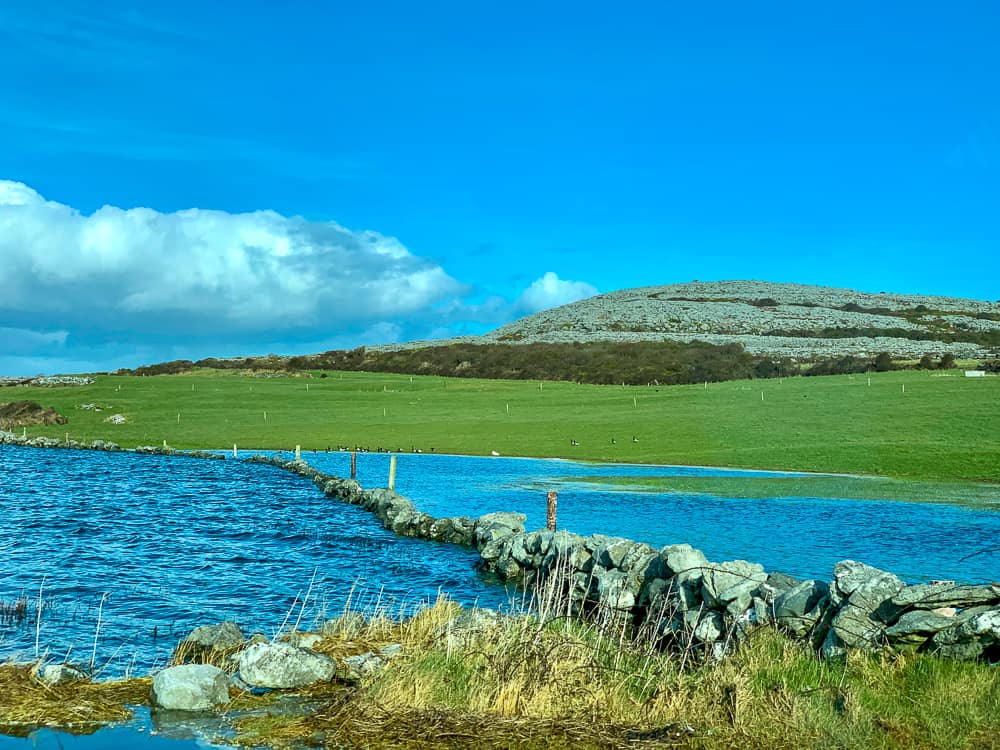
[162, 271]
[122, 287]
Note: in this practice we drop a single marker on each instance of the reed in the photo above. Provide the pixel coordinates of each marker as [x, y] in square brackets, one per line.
[541, 677]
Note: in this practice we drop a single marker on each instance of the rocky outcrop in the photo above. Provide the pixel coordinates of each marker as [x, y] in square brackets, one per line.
[782, 320]
[682, 598]
[49, 381]
[190, 687]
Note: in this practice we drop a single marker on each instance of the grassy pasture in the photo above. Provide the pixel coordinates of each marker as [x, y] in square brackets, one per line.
[903, 424]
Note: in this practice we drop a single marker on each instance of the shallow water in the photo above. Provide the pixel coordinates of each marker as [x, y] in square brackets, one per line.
[801, 536]
[170, 543]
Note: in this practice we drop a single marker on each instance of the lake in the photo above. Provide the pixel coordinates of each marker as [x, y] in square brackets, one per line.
[152, 546]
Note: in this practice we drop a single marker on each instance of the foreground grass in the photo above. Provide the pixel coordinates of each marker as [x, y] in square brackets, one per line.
[469, 680]
[524, 683]
[839, 487]
[904, 424]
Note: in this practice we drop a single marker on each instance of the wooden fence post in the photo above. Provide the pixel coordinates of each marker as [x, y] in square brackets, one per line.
[392, 472]
[550, 522]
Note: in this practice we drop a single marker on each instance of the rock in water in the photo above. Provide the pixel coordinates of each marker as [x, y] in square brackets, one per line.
[58, 674]
[191, 687]
[224, 635]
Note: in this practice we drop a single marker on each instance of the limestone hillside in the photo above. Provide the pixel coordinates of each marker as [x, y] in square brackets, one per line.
[803, 322]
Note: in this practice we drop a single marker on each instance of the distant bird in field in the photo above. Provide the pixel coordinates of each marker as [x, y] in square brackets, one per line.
[614, 442]
[635, 439]
[494, 453]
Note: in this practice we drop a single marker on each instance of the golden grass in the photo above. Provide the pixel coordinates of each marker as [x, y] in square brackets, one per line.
[529, 682]
[26, 702]
[525, 683]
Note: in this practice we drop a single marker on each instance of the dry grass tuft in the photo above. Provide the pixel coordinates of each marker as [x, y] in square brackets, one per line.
[193, 653]
[27, 703]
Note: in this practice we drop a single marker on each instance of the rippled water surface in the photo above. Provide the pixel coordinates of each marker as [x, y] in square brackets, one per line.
[170, 543]
[178, 542]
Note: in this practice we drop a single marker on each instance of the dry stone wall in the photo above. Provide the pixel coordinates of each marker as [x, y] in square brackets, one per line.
[682, 598]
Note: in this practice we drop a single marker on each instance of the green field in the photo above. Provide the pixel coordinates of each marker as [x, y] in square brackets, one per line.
[900, 424]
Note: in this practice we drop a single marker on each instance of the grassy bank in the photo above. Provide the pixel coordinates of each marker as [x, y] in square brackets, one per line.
[902, 424]
[463, 680]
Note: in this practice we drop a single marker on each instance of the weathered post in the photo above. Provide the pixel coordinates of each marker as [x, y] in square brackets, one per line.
[235, 455]
[392, 472]
[298, 452]
[354, 464]
[550, 521]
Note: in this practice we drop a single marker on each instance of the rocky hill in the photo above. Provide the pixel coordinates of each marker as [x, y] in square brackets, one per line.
[783, 320]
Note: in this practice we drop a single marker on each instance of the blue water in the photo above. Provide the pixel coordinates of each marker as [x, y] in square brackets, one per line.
[159, 730]
[801, 536]
[171, 543]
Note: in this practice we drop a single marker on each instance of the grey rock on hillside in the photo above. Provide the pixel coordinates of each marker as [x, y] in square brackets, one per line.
[762, 316]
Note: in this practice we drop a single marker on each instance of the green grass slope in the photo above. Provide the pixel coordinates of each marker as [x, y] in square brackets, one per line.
[903, 424]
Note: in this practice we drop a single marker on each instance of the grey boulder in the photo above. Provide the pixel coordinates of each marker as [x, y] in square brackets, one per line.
[974, 638]
[282, 665]
[800, 608]
[729, 585]
[935, 595]
[225, 635]
[190, 687]
[59, 674]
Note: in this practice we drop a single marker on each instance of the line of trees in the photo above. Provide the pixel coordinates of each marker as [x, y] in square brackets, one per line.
[599, 362]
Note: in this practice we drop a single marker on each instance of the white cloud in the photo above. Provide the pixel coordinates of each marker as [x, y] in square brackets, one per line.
[550, 291]
[198, 269]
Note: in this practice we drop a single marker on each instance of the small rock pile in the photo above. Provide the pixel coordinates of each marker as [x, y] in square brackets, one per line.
[255, 663]
[48, 381]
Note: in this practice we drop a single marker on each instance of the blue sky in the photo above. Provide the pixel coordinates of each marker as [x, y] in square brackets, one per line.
[185, 179]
